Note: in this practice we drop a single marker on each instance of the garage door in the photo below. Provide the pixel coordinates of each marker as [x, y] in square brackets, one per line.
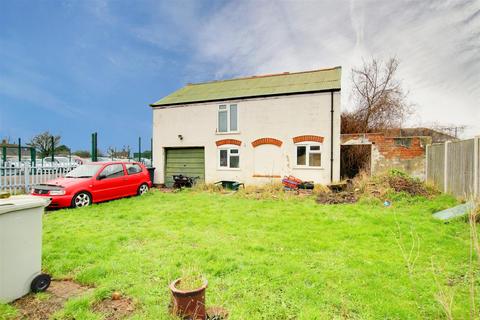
[186, 161]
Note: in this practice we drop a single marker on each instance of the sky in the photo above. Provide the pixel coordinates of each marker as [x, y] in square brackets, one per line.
[77, 67]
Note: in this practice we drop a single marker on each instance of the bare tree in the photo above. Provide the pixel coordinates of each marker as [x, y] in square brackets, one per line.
[43, 143]
[380, 103]
[379, 100]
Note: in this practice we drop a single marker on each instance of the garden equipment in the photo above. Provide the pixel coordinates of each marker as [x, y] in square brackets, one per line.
[181, 181]
[21, 247]
[231, 185]
[293, 183]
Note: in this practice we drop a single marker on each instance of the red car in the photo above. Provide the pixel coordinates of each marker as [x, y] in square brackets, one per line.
[95, 182]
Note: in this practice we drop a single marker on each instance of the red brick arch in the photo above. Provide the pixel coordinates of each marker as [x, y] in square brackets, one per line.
[261, 141]
[310, 138]
[228, 141]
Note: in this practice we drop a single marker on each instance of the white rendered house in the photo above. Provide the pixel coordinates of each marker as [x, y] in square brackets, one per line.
[253, 130]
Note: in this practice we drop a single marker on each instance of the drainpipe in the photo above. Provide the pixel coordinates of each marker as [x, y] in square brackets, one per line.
[331, 136]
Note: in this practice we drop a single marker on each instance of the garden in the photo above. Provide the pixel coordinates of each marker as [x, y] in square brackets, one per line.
[270, 255]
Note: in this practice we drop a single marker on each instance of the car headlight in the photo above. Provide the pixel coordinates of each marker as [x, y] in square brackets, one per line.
[57, 192]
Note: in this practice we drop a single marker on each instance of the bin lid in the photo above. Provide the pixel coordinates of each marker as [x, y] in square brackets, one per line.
[16, 203]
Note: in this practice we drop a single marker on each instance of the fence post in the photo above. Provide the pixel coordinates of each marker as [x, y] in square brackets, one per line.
[33, 160]
[4, 154]
[476, 173]
[94, 147]
[19, 150]
[427, 153]
[445, 172]
[27, 177]
[53, 149]
[139, 149]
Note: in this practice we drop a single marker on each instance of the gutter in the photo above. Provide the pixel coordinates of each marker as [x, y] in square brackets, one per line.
[153, 105]
[331, 136]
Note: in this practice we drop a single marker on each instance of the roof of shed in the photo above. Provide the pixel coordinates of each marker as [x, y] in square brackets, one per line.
[256, 86]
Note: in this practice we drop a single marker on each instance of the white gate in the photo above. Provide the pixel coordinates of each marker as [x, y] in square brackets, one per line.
[21, 177]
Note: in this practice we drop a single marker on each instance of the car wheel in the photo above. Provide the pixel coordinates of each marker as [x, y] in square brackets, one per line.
[142, 189]
[81, 199]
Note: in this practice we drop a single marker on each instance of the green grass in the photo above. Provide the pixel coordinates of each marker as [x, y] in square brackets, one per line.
[264, 259]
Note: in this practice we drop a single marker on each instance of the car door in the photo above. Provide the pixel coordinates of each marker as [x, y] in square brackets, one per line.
[111, 183]
[135, 177]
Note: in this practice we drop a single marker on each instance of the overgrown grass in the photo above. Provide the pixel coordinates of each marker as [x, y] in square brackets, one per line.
[265, 259]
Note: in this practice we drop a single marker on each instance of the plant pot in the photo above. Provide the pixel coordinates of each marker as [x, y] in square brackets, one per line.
[188, 304]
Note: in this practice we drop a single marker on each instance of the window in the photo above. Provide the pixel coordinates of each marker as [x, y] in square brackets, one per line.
[229, 158]
[113, 171]
[403, 142]
[133, 168]
[309, 155]
[227, 118]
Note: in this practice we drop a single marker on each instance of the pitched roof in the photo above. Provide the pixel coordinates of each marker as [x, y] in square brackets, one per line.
[256, 86]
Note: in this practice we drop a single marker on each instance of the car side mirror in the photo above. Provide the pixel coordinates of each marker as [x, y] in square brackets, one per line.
[101, 176]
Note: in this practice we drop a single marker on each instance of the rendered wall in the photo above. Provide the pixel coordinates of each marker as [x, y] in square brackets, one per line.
[281, 118]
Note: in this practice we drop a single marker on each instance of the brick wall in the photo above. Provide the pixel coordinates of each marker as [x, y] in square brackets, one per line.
[390, 152]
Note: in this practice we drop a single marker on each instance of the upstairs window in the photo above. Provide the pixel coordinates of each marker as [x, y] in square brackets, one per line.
[229, 158]
[309, 155]
[227, 118]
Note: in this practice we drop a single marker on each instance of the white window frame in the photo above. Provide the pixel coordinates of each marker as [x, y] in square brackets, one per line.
[219, 167]
[228, 108]
[308, 151]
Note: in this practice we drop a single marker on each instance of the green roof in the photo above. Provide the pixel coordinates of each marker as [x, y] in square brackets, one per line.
[256, 86]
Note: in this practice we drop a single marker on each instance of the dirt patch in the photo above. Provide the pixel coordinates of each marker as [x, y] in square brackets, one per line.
[115, 309]
[336, 197]
[42, 306]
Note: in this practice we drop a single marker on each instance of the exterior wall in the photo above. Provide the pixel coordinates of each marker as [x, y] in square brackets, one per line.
[281, 118]
[387, 155]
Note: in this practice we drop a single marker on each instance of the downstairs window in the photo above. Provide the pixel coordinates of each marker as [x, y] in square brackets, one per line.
[229, 158]
[309, 155]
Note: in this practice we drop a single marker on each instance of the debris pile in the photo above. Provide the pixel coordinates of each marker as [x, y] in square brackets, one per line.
[337, 197]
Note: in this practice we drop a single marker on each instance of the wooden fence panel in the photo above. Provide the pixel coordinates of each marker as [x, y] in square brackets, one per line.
[460, 161]
[454, 167]
[436, 165]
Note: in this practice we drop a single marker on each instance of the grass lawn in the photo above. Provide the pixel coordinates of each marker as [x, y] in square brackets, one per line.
[264, 259]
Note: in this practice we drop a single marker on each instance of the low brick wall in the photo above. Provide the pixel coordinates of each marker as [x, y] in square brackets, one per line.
[393, 152]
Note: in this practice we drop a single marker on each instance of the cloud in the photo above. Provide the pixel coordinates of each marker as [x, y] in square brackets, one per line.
[438, 44]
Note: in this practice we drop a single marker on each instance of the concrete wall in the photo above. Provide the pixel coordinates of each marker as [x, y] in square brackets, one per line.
[281, 118]
[388, 154]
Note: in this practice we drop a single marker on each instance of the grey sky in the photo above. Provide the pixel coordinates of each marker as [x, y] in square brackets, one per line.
[437, 43]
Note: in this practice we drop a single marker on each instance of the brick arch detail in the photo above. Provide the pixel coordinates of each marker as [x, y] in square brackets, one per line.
[261, 141]
[311, 138]
[228, 141]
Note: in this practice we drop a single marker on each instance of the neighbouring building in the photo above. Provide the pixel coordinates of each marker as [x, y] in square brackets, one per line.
[253, 130]
[402, 149]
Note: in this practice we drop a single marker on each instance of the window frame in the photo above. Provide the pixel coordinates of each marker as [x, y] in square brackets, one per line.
[228, 111]
[133, 165]
[405, 142]
[308, 151]
[229, 154]
[111, 165]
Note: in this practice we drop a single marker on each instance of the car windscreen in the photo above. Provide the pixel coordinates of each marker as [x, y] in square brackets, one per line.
[85, 171]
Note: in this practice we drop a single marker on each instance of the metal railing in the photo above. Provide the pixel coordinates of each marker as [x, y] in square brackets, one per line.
[23, 176]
